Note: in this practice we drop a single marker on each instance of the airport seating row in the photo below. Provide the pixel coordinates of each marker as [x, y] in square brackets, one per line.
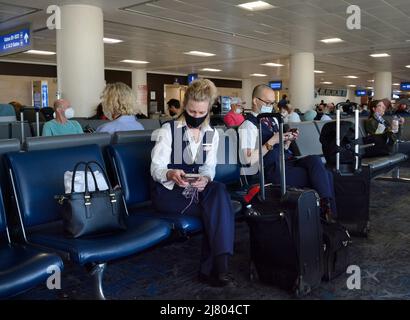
[35, 177]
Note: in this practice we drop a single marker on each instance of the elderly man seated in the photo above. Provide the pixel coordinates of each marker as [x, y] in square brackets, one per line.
[61, 125]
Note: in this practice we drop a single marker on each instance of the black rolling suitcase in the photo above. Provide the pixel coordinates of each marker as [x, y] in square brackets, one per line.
[352, 186]
[285, 232]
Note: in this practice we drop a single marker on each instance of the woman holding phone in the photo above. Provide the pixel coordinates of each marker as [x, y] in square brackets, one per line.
[183, 167]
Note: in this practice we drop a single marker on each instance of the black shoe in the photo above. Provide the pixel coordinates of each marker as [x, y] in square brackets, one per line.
[218, 281]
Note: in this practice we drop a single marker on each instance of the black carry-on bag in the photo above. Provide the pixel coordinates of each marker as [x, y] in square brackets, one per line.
[352, 186]
[285, 231]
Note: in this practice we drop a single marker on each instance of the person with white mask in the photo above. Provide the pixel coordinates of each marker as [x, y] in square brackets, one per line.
[62, 125]
[300, 172]
[235, 118]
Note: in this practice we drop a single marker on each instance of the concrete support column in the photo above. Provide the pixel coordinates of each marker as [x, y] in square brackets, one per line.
[302, 80]
[383, 85]
[247, 89]
[80, 57]
[140, 88]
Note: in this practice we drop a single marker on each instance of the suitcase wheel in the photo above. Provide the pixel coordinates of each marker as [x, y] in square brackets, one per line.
[253, 273]
[302, 289]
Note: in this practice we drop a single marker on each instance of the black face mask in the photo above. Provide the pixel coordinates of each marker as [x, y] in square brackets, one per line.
[194, 122]
[172, 113]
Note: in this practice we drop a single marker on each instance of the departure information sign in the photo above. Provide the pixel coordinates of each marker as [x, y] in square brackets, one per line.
[15, 40]
[405, 86]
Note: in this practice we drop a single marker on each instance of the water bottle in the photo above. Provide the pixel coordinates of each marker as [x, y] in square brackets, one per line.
[250, 212]
[395, 124]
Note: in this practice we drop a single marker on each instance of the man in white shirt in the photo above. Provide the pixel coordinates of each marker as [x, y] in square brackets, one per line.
[304, 172]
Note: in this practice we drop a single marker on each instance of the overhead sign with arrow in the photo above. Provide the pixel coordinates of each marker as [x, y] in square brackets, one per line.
[15, 40]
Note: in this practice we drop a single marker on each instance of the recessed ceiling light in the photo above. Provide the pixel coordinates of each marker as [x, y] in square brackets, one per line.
[332, 40]
[211, 70]
[318, 71]
[379, 55]
[256, 6]
[112, 41]
[371, 81]
[370, 88]
[352, 86]
[272, 64]
[41, 53]
[408, 66]
[396, 84]
[200, 54]
[351, 77]
[326, 82]
[258, 75]
[397, 91]
[135, 61]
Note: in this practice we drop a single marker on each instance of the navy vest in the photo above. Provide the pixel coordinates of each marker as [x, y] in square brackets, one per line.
[180, 147]
[271, 159]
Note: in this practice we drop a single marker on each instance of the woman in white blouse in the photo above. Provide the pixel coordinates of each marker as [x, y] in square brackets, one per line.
[183, 168]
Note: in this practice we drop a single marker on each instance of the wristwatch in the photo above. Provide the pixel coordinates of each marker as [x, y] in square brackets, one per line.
[268, 146]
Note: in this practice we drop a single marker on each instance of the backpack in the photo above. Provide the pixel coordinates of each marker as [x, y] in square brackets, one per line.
[347, 142]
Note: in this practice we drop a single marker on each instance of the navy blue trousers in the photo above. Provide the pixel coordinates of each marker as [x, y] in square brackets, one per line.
[214, 209]
[307, 172]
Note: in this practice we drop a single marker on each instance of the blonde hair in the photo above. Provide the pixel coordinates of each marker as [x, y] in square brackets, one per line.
[200, 91]
[118, 99]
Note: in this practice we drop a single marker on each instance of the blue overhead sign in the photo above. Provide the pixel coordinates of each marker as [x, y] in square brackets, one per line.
[405, 86]
[15, 40]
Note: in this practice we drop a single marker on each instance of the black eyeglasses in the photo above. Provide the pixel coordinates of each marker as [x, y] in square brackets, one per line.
[269, 104]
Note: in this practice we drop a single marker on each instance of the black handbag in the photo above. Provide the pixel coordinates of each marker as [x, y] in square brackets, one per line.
[92, 213]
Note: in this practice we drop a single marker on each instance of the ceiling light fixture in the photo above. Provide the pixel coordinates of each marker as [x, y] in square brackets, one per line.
[256, 6]
[135, 61]
[272, 64]
[112, 41]
[332, 40]
[41, 53]
[200, 54]
[326, 82]
[380, 55]
[351, 77]
[258, 75]
[211, 70]
[318, 71]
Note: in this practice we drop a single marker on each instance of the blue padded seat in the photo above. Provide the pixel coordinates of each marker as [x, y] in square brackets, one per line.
[21, 267]
[142, 233]
[40, 212]
[132, 162]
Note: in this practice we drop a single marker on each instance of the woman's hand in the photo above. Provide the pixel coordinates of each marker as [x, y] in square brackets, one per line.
[177, 176]
[201, 183]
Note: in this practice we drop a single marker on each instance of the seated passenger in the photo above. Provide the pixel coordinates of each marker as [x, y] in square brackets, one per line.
[119, 104]
[99, 114]
[62, 125]
[376, 124]
[234, 118]
[305, 172]
[309, 115]
[289, 114]
[174, 108]
[189, 145]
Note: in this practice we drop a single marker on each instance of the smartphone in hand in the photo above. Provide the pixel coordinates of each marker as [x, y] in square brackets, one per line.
[192, 177]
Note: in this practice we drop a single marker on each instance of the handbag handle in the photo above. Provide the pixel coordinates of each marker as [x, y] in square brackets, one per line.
[86, 176]
[104, 173]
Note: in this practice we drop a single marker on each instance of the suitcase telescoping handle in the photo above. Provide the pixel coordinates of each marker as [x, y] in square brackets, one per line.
[279, 117]
[338, 140]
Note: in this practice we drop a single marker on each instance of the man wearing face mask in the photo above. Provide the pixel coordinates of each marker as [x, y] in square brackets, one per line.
[305, 172]
[234, 118]
[62, 125]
